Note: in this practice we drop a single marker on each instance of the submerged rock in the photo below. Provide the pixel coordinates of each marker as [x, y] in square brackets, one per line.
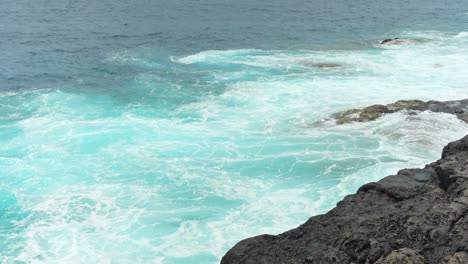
[401, 41]
[416, 216]
[325, 65]
[322, 65]
[370, 113]
[385, 41]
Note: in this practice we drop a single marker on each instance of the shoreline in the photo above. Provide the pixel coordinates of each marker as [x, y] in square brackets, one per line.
[415, 216]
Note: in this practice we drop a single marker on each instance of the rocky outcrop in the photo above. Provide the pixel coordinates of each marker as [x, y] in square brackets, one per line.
[370, 113]
[416, 216]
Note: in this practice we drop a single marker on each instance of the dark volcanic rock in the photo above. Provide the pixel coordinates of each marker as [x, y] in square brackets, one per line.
[416, 216]
[385, 41]
[401, 41]
[370, 113]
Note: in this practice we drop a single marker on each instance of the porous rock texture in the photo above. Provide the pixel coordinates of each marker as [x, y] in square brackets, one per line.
[416, 216]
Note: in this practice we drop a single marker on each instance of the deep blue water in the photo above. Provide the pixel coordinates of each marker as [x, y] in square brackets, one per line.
[51, 43]
[165, 132]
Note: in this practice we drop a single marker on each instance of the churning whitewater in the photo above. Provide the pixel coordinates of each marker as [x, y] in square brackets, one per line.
[153, 172]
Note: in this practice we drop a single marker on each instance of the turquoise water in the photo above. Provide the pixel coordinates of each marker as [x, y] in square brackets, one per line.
[150, 172]
[167, 132]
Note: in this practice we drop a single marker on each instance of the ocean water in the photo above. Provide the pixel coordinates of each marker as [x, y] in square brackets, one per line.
[165, 132]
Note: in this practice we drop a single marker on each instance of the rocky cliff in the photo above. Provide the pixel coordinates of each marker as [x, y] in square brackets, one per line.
[416, 216]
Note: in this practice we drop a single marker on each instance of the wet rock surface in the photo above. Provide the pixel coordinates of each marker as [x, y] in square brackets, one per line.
[401, 41]
[370, 113]
[416, 216]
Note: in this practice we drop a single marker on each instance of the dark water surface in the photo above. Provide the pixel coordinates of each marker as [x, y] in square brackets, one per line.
[48, 43]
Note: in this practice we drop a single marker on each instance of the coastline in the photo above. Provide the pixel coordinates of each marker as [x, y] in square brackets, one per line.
[168, 131]
[415, 216]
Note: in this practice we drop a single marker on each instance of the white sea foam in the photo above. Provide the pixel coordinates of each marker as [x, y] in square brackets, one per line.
[462, 35]
[215, 56]
[101, 179]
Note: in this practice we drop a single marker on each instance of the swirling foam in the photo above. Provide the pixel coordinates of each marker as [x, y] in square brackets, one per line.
[165, 171]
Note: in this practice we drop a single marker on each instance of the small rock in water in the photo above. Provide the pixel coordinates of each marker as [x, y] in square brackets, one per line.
[385, 41]
[369, 113]
[400, 41]
[319, 64]
[326, 65]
